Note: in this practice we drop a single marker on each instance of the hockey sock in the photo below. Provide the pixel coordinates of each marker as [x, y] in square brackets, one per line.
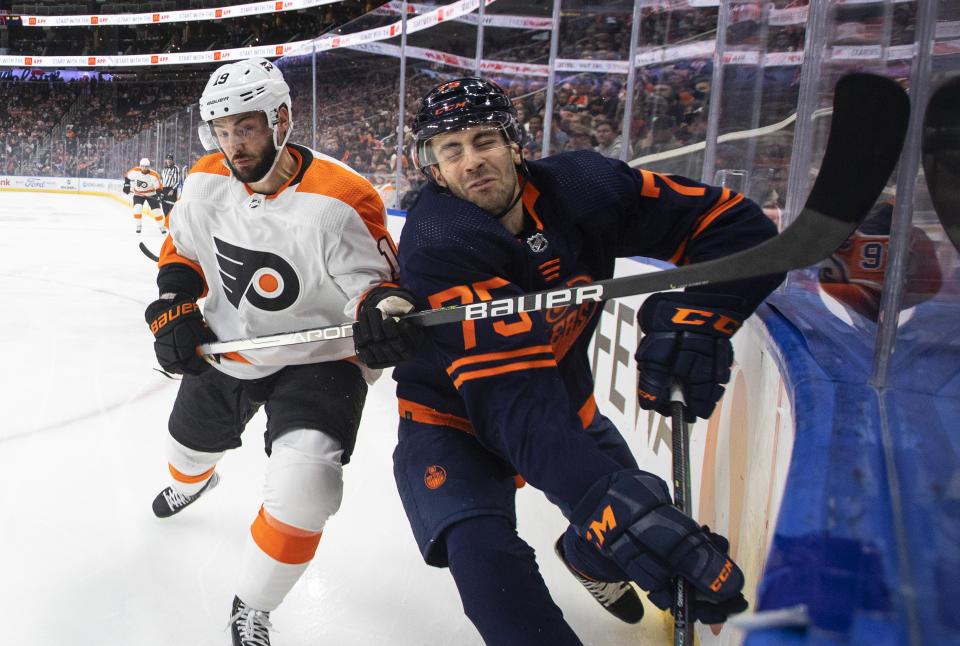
[500, 585]
[189, 485]
[274, 558]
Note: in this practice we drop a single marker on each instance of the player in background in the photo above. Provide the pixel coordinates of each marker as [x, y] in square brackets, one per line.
[145, 185]
[485, 400]
[171, 179]
[273, 236]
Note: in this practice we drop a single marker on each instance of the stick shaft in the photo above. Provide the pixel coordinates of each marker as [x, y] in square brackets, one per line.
[862, 150]
[683, 594]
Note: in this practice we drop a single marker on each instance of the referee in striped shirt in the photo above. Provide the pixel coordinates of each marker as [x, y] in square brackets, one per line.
[171, 179]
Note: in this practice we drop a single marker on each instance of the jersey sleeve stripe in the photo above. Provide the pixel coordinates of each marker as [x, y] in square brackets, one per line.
[712, 214]
[692, 191]
[498, 356]
[588, 411]
[499, 370]
[723, 204]
[169, 255]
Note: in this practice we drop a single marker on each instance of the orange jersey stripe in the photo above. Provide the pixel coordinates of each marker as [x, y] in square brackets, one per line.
[529, 198]
[169, 255]
[494, 356]
[710, 216]
[499, 370]
[282, 542]
[724, 203]
[587, 411]
[426, 415]
[681, 189]
[185, 479]
[212, 164]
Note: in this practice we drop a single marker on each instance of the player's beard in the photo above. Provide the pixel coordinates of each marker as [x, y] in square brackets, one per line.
[262, 163]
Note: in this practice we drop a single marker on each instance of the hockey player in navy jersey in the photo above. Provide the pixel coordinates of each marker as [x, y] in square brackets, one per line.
[485, 400]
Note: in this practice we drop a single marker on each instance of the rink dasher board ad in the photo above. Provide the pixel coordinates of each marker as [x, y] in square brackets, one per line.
[78, 185]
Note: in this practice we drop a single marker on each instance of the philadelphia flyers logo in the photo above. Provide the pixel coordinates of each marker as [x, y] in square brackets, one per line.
[264, 279]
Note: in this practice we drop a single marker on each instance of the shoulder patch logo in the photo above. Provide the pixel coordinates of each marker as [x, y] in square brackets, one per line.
[264, 279]
[537, 242]
[435, 476]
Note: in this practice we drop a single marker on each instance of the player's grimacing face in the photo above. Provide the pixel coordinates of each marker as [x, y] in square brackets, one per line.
[247, 142]
[477, 164]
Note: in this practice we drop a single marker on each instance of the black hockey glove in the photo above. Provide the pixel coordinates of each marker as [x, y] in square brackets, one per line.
[380, 339]
[704, 610]
[178, 326]
[126, 187]
[686, 340]
[631, 519]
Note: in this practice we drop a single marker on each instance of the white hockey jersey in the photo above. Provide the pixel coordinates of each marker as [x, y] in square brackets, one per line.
[143, 183]
[301, 258]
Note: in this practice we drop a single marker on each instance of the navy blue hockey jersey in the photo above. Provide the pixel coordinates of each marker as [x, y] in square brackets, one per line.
[583, 211]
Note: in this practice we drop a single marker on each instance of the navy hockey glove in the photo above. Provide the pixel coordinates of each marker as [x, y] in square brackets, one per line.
[686, 340]
[704, 610]
[380, 339]
[178, 327]
[631, 519]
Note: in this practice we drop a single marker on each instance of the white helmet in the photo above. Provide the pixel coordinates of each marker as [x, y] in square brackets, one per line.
[245, 86]
[144, 163]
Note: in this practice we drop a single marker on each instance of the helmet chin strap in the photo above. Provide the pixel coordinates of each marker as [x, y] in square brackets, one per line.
[516, 198]
[523, 183]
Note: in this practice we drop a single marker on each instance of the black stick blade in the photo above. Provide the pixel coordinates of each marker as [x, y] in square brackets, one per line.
[149, 254]
[870, 118]
[941, 155]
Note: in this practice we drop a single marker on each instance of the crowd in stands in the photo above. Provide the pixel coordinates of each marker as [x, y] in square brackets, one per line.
[272, 28]
[357, 93]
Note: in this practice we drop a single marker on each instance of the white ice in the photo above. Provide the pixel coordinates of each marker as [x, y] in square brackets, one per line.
[83, 560]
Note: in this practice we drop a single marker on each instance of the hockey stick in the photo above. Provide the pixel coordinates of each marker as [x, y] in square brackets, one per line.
[941, 155]
[683, 616]
[862, 150]
[149, 254]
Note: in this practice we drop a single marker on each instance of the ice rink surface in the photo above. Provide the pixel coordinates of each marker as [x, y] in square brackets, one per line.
[83, 560]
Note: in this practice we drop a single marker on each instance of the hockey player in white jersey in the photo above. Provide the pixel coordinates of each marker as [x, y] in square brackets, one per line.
[144, 184]
[273, 237]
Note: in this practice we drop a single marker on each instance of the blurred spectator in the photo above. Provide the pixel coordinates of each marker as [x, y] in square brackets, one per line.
[580, 138]
[608, 139]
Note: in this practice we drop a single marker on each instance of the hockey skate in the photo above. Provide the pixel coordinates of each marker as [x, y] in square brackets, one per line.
[619, 598]
[249, 627]
[170, 501]
[138, 227]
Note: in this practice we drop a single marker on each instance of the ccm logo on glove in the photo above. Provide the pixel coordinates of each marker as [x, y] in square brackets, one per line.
[172, 314]
[694, 318]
